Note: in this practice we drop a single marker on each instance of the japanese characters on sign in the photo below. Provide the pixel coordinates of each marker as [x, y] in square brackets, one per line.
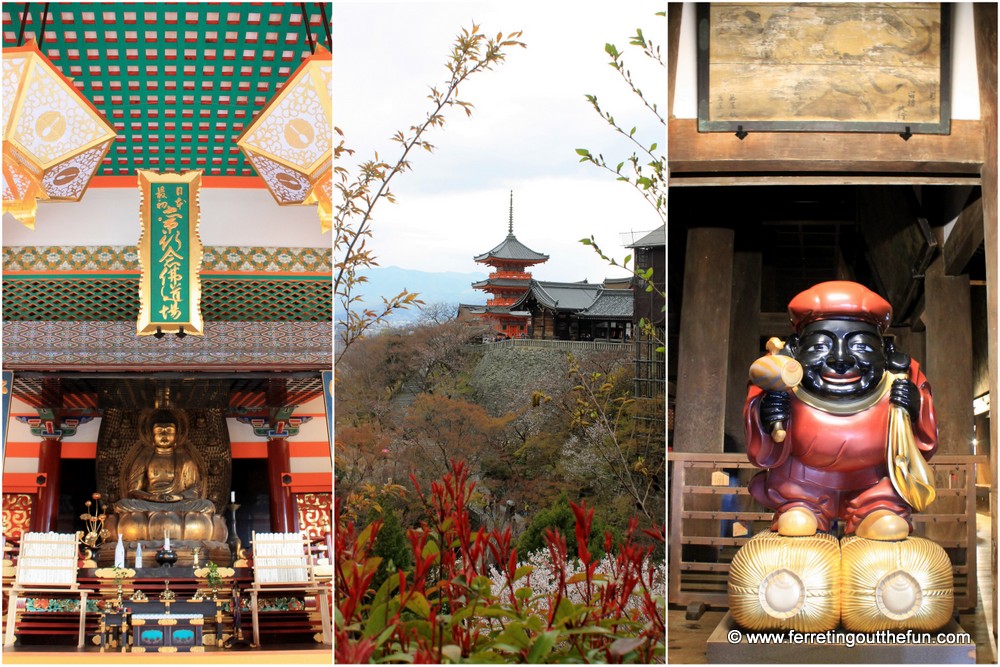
[170, 254]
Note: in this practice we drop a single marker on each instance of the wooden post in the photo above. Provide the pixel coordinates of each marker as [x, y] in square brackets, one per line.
[949, 357]
[45, 516]
[912, 343]
[744, 341]
[284, 515]
[948, 316]
[703, 347]
[985, 19]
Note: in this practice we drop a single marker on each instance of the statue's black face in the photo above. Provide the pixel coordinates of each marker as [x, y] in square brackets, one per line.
[841, 358]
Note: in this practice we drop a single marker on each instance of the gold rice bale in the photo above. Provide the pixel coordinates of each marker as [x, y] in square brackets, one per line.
[904, 585]
[786, 583]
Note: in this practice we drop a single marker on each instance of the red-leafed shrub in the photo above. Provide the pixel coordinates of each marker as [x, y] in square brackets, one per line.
[448, 607]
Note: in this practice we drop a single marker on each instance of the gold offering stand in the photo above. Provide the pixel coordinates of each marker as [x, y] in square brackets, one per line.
[128, 611]
[215, 578]
[115, 616]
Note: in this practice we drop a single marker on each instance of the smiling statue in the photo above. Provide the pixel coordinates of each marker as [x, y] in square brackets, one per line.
[850, 440]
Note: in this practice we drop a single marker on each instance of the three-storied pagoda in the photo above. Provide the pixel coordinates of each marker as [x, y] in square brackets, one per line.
[508, 281]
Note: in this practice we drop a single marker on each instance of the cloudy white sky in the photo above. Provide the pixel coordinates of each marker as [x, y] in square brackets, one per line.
[530, 116]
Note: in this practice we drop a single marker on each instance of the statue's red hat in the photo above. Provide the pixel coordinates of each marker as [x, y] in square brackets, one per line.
[839, 299]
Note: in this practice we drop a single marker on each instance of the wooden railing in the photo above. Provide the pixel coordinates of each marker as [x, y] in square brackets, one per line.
[698, 518]
[513, 275]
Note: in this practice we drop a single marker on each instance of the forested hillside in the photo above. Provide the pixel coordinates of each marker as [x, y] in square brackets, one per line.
[537, 427]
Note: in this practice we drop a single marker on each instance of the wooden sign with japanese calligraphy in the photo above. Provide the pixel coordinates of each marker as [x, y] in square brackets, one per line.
[859, 67]
[170, 254]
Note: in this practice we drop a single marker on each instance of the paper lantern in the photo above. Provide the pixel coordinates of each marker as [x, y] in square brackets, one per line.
[53, 137]
[290, 142]
[786, 583]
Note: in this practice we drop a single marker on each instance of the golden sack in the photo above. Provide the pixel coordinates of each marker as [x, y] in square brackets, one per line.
[786, 583]
[903, 585]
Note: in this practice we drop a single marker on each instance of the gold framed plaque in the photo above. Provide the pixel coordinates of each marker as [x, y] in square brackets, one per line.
[833, 67]
[170, 253]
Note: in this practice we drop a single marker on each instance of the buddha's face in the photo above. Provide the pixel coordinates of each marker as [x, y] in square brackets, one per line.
[841, 358]
[164, 435]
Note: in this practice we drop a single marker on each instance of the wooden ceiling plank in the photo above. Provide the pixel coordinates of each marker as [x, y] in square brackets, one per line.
[700, 180]
[965, 238]
[693, 151]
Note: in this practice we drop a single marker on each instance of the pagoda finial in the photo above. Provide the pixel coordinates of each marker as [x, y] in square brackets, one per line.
[510, 223]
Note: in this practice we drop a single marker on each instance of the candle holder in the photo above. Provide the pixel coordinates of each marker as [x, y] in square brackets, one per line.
[234, 540]
[167, 595]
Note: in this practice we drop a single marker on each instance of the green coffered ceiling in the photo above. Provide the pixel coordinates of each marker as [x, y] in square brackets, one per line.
[179, 82]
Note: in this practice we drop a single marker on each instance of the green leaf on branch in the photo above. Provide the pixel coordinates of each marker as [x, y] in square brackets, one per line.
[453, 652]
[419, 605]
[542, 646]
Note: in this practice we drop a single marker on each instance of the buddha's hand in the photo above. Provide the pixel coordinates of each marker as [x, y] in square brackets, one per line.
[167, 497]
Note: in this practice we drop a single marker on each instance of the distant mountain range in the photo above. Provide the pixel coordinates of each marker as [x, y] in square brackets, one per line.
[445, 287]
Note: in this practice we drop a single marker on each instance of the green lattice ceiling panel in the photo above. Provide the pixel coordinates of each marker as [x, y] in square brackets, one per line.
[179, 82]
[224, 299]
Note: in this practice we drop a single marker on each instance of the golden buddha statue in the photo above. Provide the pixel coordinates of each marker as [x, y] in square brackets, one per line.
[163, 487]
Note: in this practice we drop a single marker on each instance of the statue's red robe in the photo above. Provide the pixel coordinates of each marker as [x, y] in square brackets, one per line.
[833, 465]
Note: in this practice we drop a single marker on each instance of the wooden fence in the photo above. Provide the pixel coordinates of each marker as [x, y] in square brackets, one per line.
[713, 518]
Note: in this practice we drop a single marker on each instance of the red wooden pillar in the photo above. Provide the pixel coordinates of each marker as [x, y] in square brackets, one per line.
[284, 512]
[45, 514]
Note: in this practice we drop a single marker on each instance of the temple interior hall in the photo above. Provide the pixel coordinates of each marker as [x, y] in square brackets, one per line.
[167, 331]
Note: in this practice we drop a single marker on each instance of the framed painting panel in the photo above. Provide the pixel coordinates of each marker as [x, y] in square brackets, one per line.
[824, 67]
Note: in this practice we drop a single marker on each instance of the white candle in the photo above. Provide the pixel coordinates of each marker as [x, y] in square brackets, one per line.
[166, 540]
[232, 496]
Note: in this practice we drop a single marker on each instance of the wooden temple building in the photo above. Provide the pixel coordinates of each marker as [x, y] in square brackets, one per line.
[167, 331]
[766, 200]
[576, 311]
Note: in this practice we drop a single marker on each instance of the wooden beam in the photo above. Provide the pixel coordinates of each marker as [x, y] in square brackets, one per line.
[674, 12]
[900, 243]
[744, 342]
[691, 180]
[948, 317]
[703, 348]
[693, 151]
[985, 21]
[965, 237]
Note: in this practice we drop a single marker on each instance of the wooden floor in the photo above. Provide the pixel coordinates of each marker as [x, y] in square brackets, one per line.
[686, 640]
[286, 654]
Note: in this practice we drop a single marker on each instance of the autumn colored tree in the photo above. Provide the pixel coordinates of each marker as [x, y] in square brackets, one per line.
[438, 429]
[617, 431]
